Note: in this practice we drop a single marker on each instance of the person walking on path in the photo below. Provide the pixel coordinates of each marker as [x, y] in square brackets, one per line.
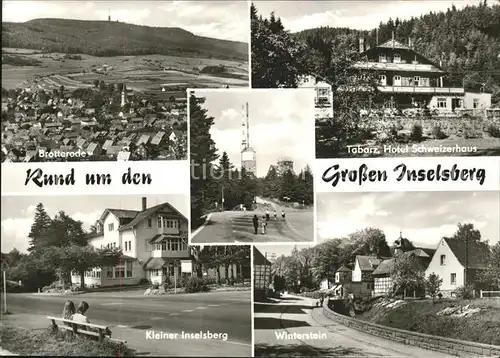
[255, 224]
[283, 214]
[264, 224]
[275, 215]
[267, 215]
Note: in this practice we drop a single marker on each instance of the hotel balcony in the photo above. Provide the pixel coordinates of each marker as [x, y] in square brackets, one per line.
[398, 66]
[421, 89]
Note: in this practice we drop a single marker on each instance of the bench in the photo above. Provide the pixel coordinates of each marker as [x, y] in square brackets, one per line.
[88, 329]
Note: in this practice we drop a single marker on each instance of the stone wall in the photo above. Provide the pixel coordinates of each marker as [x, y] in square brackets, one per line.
[460, 127]
[435, 343]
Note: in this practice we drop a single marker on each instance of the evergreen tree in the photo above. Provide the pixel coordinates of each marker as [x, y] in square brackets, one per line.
[203, 153]
[41, 224]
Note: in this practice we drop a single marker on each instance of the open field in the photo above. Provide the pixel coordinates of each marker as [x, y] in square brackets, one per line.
[148, 72]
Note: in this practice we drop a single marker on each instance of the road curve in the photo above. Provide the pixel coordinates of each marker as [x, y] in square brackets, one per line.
[298, 315]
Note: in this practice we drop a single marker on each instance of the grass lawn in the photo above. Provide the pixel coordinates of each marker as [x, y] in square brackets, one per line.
[421, 316]
[44, 343]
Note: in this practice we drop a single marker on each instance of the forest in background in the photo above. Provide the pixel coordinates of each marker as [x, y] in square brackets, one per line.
[466, 42]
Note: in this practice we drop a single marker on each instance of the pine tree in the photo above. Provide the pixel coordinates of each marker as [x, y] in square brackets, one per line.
[203, 153]
[42, 222]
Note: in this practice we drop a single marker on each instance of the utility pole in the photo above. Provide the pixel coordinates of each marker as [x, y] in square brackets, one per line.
[265, 273]
[4, 293]
[222, 204]
[466, 259]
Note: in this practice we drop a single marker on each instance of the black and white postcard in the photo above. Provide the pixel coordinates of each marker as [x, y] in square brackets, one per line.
[251, 153]
[411, 261]
[121, 266]
[392, 79]
[107, 80]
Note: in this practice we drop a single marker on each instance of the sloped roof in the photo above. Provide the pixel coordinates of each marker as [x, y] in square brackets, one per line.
[478, 253]
[161, 237]
[119, 213]
[393, 44]
[155, 263]
[384, 268]
[259, 259]
[368, 263]
[147, 213]
[344, 269]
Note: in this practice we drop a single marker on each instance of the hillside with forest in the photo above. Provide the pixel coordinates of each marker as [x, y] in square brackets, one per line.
[466, 42]
[103, 38]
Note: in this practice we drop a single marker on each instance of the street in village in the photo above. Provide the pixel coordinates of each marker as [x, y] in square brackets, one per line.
[130, 314]
[297, 315]
[237, 226]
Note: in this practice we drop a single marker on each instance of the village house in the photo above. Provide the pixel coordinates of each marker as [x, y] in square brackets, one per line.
[362, 278]
[155, 247]
[449, 262]
[323, 97]
[154, 242]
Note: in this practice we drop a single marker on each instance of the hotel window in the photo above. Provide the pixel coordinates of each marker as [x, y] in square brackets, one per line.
[397, 58]
[119, 271]
[382, 58]
[109, 272]
[150, 222]
[453, 278]
[382, 80]
[322, 91]
[475, 103]
[130, 245]
[442, 260]
[126, 246]
[98, 274]
[441, 102]
[416, 80]
[128, 269]
[184, 245]
[111, 227]
[174, 243]
[164, 246]
[160, 220]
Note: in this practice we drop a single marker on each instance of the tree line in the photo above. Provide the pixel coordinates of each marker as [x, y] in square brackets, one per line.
[59, 246]
[214, 177]
[308, 267]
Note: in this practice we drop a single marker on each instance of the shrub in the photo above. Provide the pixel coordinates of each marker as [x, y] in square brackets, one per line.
[154, 286]
[416, 133]
[438, 133]
[196, 284]
[465, 292]
[494, 130]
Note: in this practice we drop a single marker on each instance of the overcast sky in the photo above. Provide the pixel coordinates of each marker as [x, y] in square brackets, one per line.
[423, 217]
[219, 19]
[18, 212]
[361, 15]
[281, 125]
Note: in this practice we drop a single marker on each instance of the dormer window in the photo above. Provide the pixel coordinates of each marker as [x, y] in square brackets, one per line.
[111, 227]
[396, 58]
[382, 57]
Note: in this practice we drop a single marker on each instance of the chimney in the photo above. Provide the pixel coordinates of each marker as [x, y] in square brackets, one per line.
[361, 45]
[144, 203]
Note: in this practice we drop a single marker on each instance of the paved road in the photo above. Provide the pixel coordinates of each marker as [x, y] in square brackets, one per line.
[237, 226]
[297, 315]
[131, 317]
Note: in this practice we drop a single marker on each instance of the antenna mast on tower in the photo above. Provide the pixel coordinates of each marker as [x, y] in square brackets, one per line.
[248, 126]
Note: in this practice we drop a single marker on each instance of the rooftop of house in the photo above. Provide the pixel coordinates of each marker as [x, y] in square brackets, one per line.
[343, 268]
[478, 253]
[368, 263]
[259, 258]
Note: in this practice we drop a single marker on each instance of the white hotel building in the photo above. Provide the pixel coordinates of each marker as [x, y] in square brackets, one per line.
[154, 243]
